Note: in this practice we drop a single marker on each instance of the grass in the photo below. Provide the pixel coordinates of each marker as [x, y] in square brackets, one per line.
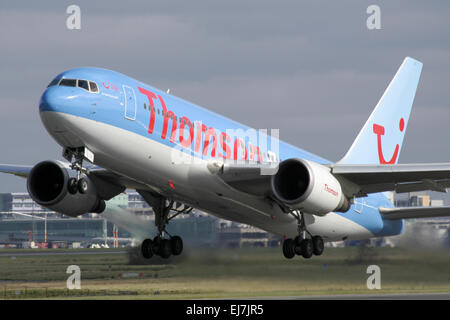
[212, 273]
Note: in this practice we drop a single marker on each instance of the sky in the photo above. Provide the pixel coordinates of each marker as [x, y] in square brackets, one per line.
[311, 69]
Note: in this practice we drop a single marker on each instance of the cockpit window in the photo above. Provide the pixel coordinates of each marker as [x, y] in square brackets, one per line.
[90, 86]
[83, 84]
[54, 82]
[93, 86]
[68, 82]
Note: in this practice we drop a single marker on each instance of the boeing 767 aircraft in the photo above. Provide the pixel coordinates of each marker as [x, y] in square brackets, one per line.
[172, 151]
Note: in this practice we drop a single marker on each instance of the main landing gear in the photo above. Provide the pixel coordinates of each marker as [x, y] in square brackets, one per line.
[302, 245]
[161, 245]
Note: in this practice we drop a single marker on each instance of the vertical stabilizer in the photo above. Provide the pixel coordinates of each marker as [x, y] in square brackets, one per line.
[381, 138]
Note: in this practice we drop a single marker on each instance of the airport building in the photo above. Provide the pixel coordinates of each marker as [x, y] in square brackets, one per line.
[19, 202]
[237, 235]
[417, 199]
[23, 223]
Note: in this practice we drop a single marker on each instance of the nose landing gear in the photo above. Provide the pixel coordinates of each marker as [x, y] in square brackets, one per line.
[80, 184]
[77, 184]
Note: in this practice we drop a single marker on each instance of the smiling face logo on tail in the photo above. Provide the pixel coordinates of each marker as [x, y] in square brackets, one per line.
[380, 139]
[379, 131]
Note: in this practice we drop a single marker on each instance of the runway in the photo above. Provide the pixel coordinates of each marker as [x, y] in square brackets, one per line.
[52, 253]
[388, 296]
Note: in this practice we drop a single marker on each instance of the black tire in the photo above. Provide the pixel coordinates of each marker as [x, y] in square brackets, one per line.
[176, 244]
[72, 186]
[307, 248]
[318, 245]
[288, 248]
[83, 186]
[146, 248]
[298, 240]
[165, 249]
[156, 244]
[297, 245]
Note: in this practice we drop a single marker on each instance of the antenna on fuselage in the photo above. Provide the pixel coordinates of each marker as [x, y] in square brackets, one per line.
[168, 91]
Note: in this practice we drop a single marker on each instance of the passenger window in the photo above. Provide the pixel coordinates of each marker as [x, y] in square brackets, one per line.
[68, 82]
[93, 86]
[83, 84]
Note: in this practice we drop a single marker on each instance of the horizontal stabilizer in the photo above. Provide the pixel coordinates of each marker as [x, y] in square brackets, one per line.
[414, 212]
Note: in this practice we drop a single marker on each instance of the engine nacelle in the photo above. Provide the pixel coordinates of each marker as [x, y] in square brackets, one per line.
[47, 185]
[308, 186]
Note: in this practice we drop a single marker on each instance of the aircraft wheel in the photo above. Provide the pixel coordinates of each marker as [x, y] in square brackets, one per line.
[83, 185]
[176, 245]
[318, 245]
[288, 248]
[146, 248]
[307, 248]
[156, 245]
[297, 245]
[165, 249]
[72, 186]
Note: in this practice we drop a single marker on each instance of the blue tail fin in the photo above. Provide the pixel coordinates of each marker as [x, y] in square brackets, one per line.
[381, 138]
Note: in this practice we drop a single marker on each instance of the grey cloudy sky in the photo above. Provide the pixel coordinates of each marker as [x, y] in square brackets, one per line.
[310, 68]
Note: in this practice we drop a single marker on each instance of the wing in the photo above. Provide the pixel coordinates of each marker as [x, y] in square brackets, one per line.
[360, 180]
[21, 171]
[414, 212]
[244, 177]
[97, 173]
[356, 180]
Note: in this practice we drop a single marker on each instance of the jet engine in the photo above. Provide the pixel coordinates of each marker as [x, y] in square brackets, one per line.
[308, 186]
[50, 185]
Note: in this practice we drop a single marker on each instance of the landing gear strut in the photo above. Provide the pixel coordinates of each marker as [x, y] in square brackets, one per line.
[76, 157]
[79, 184]
[302, 245]
[160, 245]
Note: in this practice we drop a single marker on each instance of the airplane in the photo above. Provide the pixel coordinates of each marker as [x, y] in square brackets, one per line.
[135, 136]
